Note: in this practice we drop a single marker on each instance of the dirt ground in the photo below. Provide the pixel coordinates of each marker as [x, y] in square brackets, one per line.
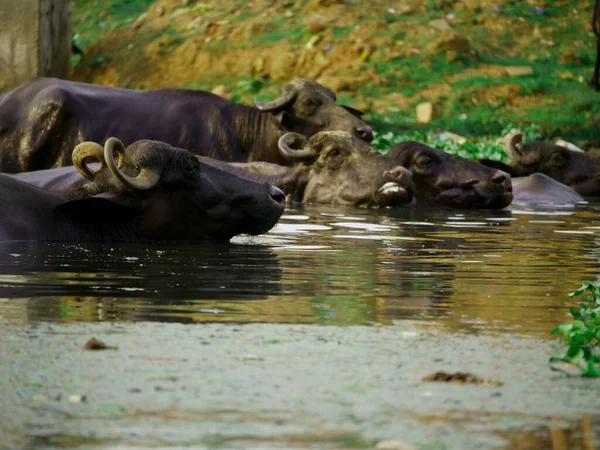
[386, 56]
[285, 386]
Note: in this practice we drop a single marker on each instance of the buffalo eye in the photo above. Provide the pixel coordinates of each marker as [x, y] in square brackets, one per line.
[310, 103]
[334, 153]
[558, 159]
[424, 161]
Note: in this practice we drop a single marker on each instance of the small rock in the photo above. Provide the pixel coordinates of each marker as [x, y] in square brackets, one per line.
[460, 378]
[195, 23]
[220, 90]
[137, 23]
[424, 112]
[316, 24]
[159, 11]
[77, 398]
[251, 357]
[440, 24]
[394, 444]
[517, 71]
[95, 344]
[178, 12]
[404, 10]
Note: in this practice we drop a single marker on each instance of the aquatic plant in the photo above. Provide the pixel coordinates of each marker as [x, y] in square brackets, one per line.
[582, 335]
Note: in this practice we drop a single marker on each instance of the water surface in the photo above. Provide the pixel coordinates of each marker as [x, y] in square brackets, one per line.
[479, 271]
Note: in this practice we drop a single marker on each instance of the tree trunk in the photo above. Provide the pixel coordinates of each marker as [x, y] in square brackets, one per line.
[35, 40]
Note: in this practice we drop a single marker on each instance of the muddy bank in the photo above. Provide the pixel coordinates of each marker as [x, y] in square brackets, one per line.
[284, 386]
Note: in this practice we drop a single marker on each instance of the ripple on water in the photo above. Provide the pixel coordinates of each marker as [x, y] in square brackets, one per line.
[502, 271]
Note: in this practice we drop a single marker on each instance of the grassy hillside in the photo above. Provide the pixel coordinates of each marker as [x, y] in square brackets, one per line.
[485, 66]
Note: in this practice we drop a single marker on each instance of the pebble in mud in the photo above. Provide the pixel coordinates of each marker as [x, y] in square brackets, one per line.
[95, 344]
[393, 444]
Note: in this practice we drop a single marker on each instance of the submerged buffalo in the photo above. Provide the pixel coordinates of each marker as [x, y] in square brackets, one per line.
[540, 189]
[578, 170]
[43, 120]
[333, 168]
[444, 180]
[173, 196]
[336, 168]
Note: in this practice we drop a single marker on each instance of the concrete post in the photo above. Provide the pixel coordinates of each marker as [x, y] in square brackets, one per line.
[35, 40]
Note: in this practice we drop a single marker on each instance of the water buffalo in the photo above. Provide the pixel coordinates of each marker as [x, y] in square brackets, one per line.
[578, 170]
[445, 180]
[540, 189]
[174, 196]
[336, 168]
[332, 168]
[43, 120]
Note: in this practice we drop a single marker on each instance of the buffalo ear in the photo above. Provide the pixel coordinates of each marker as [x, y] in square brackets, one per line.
[101, 211]
[354, 112]
[559, 158]
[282, 120]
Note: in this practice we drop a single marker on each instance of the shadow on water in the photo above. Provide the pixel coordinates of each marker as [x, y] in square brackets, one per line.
[90, 281]
[477, 271]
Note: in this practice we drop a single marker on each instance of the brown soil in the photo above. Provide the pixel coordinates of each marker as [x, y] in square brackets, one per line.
[340, 43]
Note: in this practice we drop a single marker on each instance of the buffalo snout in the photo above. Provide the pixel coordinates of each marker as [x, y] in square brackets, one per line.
[398, 188]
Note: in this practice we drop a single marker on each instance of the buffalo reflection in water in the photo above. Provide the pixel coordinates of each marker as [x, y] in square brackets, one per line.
[133, 281]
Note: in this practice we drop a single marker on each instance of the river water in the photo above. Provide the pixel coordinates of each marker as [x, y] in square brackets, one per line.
[479, 271]
[316, 335]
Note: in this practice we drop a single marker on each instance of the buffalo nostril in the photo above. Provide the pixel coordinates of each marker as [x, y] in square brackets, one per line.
[499, 178]
[399, 173]
[277, 194]
[365, 133]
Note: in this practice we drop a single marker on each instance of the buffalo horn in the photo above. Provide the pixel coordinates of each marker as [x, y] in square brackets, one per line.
[146, 179]
[88, 150]
[295, 155]
[288, 96]
[513, 143]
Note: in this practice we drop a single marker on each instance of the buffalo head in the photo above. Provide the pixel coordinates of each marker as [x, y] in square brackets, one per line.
[340, 169]
[307, 107]
[167, 193]
[578, 170]
[446, 180]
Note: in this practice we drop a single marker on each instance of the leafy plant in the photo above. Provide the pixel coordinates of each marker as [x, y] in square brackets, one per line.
[582, 335]
[484, 148]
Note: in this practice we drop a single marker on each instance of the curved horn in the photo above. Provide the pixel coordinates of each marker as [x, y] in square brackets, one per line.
[288, 96]
[88, 150]
[512, 143]
[146, 179]
[290, 153]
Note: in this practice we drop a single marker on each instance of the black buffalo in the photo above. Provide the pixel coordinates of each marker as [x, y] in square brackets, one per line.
[577, 169]
[445, 180]
[540, 189]
[333, 168]
[173, 196]
[43, 120]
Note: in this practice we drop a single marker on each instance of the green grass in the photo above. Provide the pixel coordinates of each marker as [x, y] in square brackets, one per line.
[92, 18]
[582, 335]
[559, 101]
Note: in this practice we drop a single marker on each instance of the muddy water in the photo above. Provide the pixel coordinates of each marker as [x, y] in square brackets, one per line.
[490, 271]
[316, 335]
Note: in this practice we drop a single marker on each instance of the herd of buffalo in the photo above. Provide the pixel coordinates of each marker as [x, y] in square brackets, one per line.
[89, 162]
